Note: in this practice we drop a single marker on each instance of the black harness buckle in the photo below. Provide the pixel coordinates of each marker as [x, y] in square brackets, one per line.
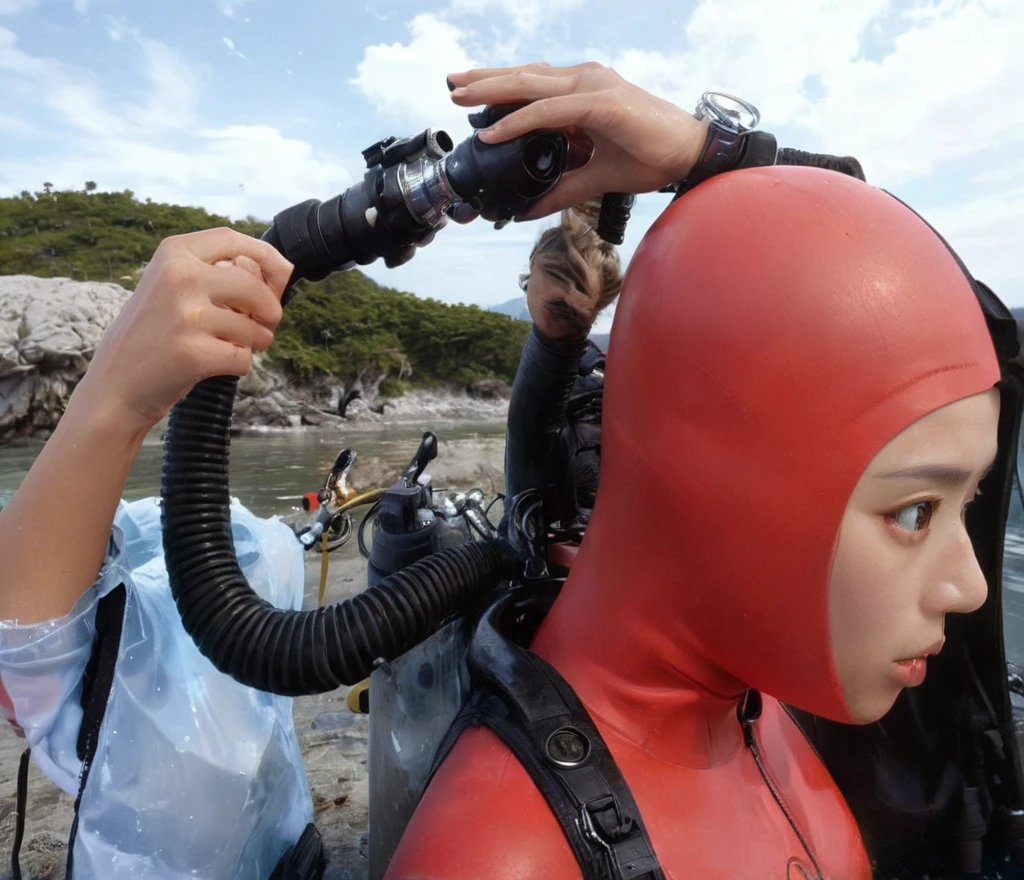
[602, 821]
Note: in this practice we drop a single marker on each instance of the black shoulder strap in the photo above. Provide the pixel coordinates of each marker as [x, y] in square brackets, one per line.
[535, 712]
[487, 709]
[96, 684]
[19, 822]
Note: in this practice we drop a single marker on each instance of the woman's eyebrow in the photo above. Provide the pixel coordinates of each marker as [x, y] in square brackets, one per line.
[946, 475]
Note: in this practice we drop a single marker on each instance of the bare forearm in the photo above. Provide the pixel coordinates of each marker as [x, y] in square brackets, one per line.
[54, 531]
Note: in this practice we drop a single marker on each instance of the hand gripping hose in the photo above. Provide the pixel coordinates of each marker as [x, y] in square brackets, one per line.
[289, 652]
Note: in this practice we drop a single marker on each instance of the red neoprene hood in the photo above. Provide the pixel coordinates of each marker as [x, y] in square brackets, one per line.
[777, 327]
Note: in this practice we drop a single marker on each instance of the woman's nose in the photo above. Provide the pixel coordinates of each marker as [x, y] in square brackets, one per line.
[960, 586]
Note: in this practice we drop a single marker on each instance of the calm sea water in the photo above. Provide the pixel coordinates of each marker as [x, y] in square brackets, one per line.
[271, 472]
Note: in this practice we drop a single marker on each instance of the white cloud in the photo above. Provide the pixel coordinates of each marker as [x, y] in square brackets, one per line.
[372, 10]
[74, 98]
[231, 47]
[950, 85]
[406, 80]
[953, 61]
[13, 7]
[527, 16]
[230, 7]
[236, 171]
[81, 6]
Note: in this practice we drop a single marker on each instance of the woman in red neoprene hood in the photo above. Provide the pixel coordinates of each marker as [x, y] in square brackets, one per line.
[799, 407]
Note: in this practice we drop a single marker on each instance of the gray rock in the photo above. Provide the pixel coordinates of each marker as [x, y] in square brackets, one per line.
[260, 379]
[49, 329]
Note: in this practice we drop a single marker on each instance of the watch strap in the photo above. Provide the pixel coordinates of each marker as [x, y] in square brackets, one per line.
[750, 149]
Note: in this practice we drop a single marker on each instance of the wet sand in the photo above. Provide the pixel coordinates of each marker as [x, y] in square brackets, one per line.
[333, 740]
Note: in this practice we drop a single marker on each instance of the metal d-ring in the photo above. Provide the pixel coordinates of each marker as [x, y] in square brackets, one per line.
[567, 747]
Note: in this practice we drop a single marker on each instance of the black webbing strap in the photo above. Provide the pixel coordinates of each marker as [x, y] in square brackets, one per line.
[19, 820]
[96, 684]
[538, 716]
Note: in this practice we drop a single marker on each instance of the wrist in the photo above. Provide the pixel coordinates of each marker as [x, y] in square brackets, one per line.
[691, 150]
[90, 405]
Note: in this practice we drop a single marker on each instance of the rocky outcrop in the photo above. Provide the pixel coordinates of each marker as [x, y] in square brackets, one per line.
[50, 328]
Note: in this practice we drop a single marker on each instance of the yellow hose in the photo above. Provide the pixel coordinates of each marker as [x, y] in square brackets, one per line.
[370, 497]
[358, 698]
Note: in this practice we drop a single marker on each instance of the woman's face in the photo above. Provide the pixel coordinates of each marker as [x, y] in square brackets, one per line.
[904, 560]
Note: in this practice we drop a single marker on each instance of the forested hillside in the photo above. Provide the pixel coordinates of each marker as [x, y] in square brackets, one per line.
[339, 327]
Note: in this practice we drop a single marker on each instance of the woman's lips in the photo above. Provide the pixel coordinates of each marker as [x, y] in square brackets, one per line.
[911, 673]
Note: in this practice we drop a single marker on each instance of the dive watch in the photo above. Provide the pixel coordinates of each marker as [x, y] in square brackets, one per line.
[732, 140]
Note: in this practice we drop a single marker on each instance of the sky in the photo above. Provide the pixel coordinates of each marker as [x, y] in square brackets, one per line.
[245, 107]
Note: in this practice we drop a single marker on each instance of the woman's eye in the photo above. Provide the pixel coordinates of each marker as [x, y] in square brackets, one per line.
[914, 517]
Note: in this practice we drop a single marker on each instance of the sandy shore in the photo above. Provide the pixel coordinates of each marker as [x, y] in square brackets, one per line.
[333, 740]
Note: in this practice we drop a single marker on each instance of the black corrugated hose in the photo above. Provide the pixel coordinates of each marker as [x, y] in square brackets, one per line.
[282, 651]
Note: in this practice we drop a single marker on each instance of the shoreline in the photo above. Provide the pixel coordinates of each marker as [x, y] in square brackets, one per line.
[410, 411]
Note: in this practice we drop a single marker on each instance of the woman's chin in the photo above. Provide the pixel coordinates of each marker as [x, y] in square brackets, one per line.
[867, 708]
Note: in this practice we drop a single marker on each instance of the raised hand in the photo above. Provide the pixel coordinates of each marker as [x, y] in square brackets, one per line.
[640, 143]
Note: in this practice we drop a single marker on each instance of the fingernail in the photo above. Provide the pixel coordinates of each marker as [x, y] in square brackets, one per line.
[458, 93]
[486, 133]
